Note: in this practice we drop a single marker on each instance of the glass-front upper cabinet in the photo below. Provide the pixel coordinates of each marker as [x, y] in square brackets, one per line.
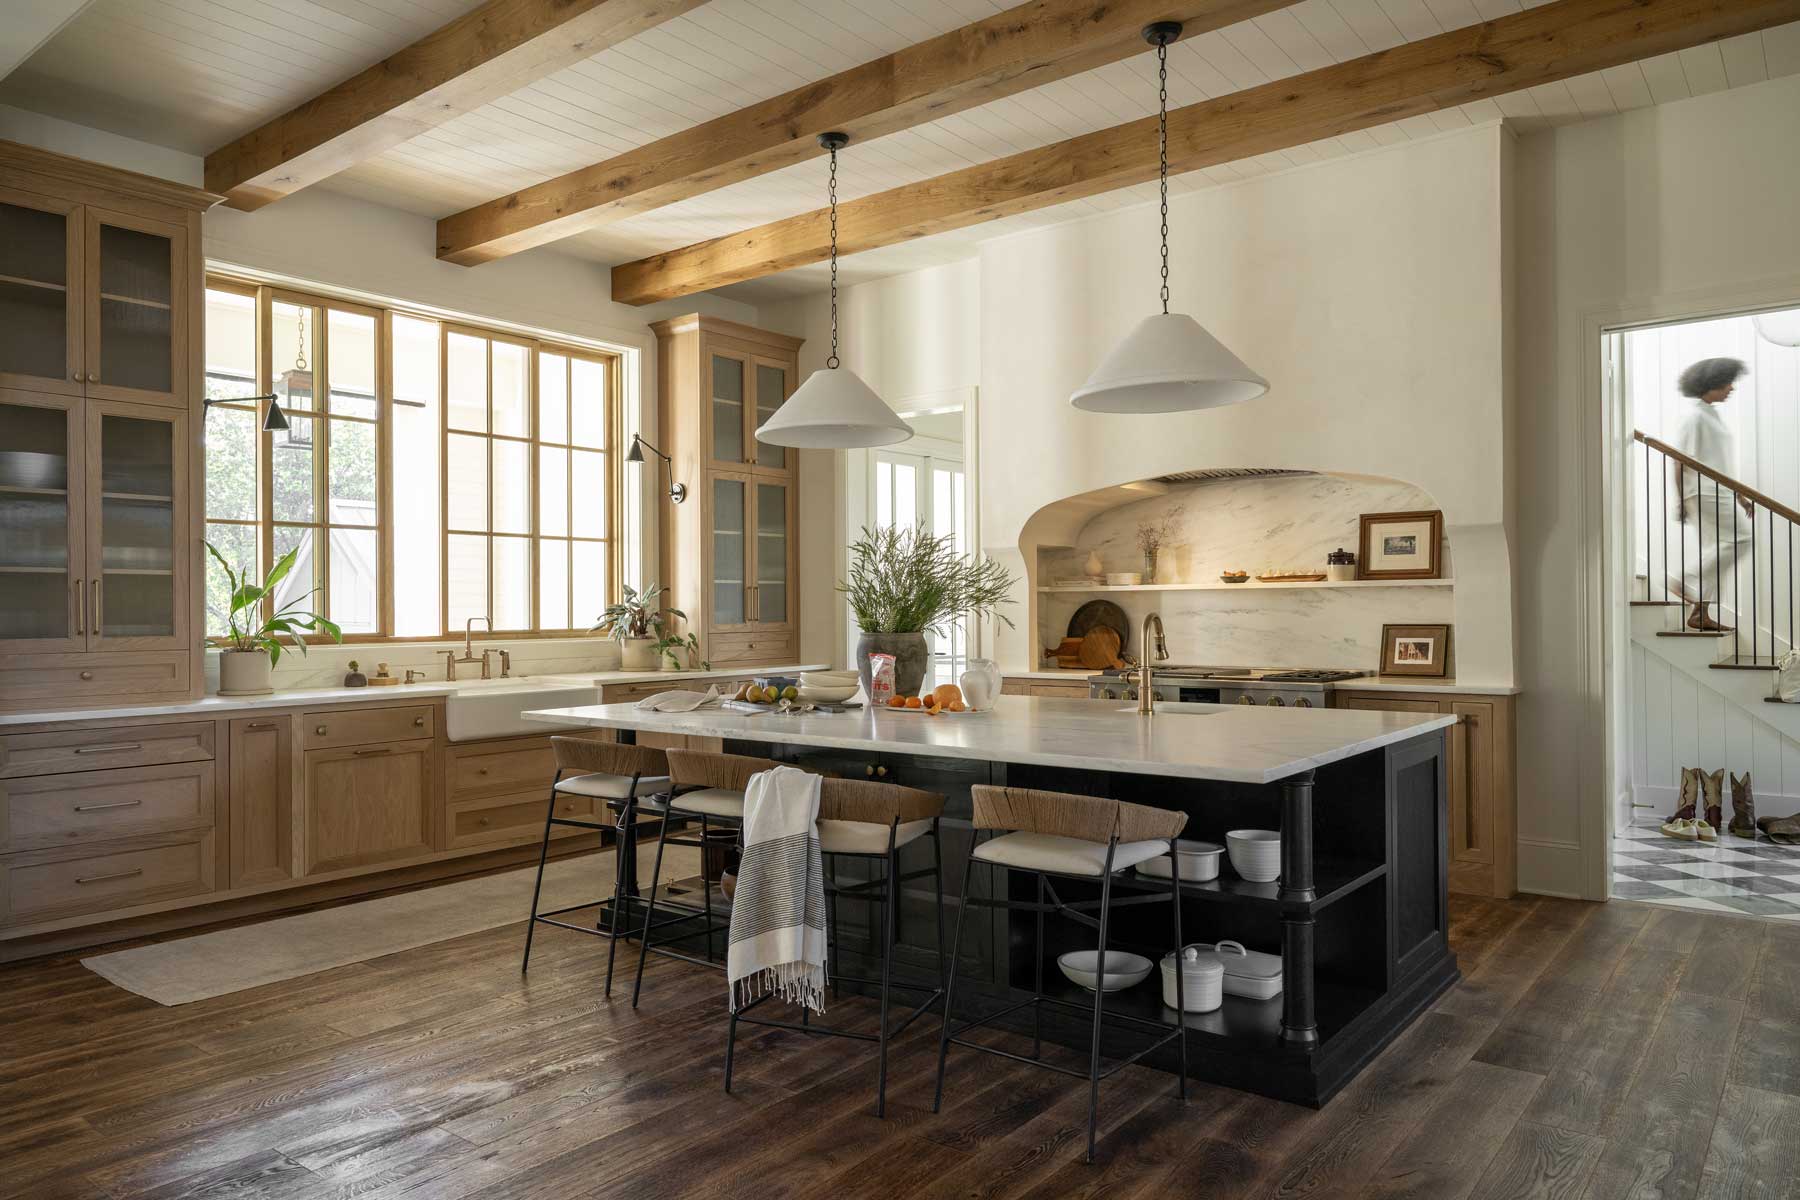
[730, 384]
[772, 387]
[134, 280]
[136, 552]
[40, 282]
[41, 564]
[772, 540]
[730, 551]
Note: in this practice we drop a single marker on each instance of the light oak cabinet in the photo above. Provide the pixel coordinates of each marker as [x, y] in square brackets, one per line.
[1483, 796]
[262, 801]
[369, 804]
[730, 555]
[100, 302]
[1056, 689]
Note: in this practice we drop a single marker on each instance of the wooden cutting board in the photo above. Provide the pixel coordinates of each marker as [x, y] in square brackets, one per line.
[1099, 648]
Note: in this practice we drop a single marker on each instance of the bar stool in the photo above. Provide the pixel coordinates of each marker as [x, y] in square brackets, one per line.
[711, 787]
[614, 775]
[1055, 835]
[870, 821]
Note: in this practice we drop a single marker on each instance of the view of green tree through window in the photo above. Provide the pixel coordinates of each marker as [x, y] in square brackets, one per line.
[429, 473]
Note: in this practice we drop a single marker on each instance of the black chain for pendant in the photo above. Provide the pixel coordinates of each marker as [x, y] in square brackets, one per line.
[1162, 166]
[832, 362]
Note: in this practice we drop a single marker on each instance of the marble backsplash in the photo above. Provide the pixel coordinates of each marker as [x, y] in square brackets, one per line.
[1281, 523]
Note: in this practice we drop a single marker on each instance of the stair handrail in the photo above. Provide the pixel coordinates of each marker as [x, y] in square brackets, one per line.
[1719, 477]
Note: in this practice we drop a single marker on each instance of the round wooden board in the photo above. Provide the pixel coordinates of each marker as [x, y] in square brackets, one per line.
[1101, 612]
[1100, 648]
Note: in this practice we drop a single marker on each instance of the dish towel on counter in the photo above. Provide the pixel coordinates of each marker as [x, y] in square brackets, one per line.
[679, 701]
[778, 911]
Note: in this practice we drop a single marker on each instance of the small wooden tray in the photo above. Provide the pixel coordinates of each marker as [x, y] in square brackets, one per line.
[1290, 578]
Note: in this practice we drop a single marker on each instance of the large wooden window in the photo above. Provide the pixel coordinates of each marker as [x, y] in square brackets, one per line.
[432, 472]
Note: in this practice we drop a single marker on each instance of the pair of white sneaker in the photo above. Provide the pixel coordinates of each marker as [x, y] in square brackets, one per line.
[1687, 830]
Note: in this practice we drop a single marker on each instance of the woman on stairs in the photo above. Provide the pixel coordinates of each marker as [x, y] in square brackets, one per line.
[1713, 521]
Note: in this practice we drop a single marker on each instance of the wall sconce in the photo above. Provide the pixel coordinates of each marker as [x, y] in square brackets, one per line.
[677, 491]
[274, 420]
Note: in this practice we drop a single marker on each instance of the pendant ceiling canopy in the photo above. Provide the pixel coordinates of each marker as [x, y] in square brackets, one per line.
[833, 409]
[1168, 363]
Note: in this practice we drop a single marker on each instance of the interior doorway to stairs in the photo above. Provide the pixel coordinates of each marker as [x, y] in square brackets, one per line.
[1710, 506]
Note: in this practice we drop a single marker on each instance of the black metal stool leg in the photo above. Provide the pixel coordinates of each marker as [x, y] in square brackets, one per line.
[1100, 1003]
[730, 1048]
[538, 888]
[834, 960]
[937, 878]
[887, 958]
[662, 839]
[962, 911]
[1037, 978]
[705, 886]
[628, 815]
[1180, 969]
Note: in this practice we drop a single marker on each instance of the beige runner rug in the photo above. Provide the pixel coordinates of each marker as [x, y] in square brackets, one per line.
[184, 970]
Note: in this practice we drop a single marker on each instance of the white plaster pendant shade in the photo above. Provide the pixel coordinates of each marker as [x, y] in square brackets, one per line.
[833, 409]
[1780, 328]
[1168, 363]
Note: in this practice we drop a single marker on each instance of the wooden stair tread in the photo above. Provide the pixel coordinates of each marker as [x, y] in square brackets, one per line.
[1706, 633]
[1744, 662]
[1656, 603]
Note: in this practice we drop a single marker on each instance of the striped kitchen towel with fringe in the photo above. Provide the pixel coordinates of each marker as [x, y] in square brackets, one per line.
[778, 937]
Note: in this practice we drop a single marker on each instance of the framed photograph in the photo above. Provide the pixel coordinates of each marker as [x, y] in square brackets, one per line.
[1415, 650]
[1403, 545]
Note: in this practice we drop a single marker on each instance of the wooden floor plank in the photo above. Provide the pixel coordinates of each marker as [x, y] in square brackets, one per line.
[1767, 1054]
[1724, 962]
[1452, 1146]
[1538, 1162]
[1490, 990]
[1755, 1152]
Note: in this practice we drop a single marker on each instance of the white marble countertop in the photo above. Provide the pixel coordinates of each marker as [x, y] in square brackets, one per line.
[1050, 675]
[604, 678]
[1402, 683]
[1236, 743]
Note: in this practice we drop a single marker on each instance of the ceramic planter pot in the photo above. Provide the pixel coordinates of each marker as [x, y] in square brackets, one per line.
[639, 654]
[245, 673]
[910, 659]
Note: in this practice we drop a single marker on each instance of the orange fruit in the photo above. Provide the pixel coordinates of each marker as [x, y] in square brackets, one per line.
[957, 706]
[897, 702]
[947, 694]
[914, 702]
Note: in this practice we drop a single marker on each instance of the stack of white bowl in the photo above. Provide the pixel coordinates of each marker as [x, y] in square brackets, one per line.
[1199, 862]
[1255, 854]
[828, 687]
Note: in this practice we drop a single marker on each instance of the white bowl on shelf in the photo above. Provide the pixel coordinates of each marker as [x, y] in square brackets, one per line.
[1199, 862]
[827, 695]
[1123, 579]
[1123, 969]
[1255, 854]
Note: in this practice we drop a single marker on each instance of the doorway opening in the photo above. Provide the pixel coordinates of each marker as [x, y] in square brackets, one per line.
[1706, 518]
[923, 483]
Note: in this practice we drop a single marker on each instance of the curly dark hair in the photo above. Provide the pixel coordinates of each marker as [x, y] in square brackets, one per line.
[1710, 374]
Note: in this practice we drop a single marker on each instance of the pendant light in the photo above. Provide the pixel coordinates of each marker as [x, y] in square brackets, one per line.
[1168, 363]
[833, 409]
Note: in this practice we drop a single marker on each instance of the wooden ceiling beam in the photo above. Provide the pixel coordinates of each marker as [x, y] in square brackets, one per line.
[1556, 41]
[487, 53]
[1021, 48]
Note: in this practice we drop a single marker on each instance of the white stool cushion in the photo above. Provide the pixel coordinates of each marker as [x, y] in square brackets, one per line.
[611, 787]
[714, 802]
[866, 837]
[1063, 855]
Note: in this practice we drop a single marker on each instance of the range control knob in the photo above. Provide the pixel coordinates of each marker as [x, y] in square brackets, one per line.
[1245, 700]
[1274, 702]
[1303, 702]
[1131, 693]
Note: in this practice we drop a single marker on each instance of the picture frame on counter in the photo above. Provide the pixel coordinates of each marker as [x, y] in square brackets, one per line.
[1422, 650]
[1401, 545]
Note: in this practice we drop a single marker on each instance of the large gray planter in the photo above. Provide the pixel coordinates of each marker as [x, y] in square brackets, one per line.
[910, 659]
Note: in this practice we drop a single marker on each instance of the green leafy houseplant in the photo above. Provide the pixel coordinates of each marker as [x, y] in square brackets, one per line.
[637, 619]
[248, 631]
[672, 646]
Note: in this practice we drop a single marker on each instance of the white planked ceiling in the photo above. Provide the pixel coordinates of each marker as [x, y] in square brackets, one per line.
[192, 74]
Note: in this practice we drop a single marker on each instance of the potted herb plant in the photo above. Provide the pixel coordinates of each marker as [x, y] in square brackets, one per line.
[253, 642]
[639, 627]
[905, 582]
[674, 647]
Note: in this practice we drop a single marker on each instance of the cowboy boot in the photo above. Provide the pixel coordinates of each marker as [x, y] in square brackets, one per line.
[1743, 807]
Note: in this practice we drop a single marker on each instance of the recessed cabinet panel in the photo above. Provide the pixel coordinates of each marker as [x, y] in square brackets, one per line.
[771, 552]
[262, 800]
[40, 537]
[135, 558]
[367, 805]
[727, 409]
[40, 270]
[134, 280]
[771, 391]
[730, 553]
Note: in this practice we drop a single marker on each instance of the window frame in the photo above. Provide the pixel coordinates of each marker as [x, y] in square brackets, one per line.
[534, 343]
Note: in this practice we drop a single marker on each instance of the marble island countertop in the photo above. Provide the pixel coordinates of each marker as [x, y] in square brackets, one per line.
[1234, 743]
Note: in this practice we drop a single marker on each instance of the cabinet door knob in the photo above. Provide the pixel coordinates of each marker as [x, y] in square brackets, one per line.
[319, 730]
[87, 674]
[881, 772]
[483, 821]
[482, 771]
[869, 772]
[420, 722]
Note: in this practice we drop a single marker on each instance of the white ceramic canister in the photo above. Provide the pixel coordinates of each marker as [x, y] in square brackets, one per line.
[980, 684]
[1202, 980]
[1248, 973]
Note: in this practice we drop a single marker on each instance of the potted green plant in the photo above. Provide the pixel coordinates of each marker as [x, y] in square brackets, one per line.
[905, 582]
[674, 647]
[638, 625]
[253, 641]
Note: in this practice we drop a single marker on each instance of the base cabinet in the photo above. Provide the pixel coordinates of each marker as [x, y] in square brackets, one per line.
[1483, 799]
[1055, 689]
[369, 804]
[262, 801]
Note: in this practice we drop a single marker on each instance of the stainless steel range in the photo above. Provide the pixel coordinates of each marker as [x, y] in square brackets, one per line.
[1279, 687]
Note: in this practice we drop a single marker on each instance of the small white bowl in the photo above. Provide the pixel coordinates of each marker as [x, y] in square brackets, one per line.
[1255, 854]
[827, 695]
[829, 678]
[1199, 862]
[1123, 969]
[1123, 578]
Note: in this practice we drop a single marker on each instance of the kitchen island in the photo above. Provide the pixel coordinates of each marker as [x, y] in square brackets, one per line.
[1358, 916]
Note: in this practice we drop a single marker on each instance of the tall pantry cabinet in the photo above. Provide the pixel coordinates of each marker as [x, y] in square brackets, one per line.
[730, 553]
[101, 287]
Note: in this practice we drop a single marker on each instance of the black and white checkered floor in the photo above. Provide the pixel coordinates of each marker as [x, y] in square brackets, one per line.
[1733, 874]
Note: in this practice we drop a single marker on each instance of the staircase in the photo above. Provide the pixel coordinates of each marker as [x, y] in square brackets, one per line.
[1758, 600]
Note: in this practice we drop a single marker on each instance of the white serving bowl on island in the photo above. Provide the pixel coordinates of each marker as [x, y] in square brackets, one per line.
[1123, 969]
[1199, 862]
[1255, 854]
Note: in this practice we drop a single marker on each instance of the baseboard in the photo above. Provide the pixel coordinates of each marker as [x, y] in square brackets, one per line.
[1662, 801]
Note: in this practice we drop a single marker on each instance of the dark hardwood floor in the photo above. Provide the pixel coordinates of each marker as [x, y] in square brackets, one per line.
[1590, 1051]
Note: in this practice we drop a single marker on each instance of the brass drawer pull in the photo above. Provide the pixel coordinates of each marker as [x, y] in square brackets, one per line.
[111, 804]
[319, 730]
[86, 675]
[262, 725]
[377, 750]
[111, 875]
[419, 722]
[113, 749]
[80, 607]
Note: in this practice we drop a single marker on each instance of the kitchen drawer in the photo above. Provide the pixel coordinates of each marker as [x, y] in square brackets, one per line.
[62, 810]
[510, 770]
[327, 728]
[504, 818]
[104, 746]
[46, 682]
[730, 649]
[1386, 704]
[47, 885]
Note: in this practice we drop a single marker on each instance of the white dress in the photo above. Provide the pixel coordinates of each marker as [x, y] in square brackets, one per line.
[1706, 520]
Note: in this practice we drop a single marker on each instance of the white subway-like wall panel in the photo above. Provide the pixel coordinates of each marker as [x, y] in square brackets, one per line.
[1677, 722]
